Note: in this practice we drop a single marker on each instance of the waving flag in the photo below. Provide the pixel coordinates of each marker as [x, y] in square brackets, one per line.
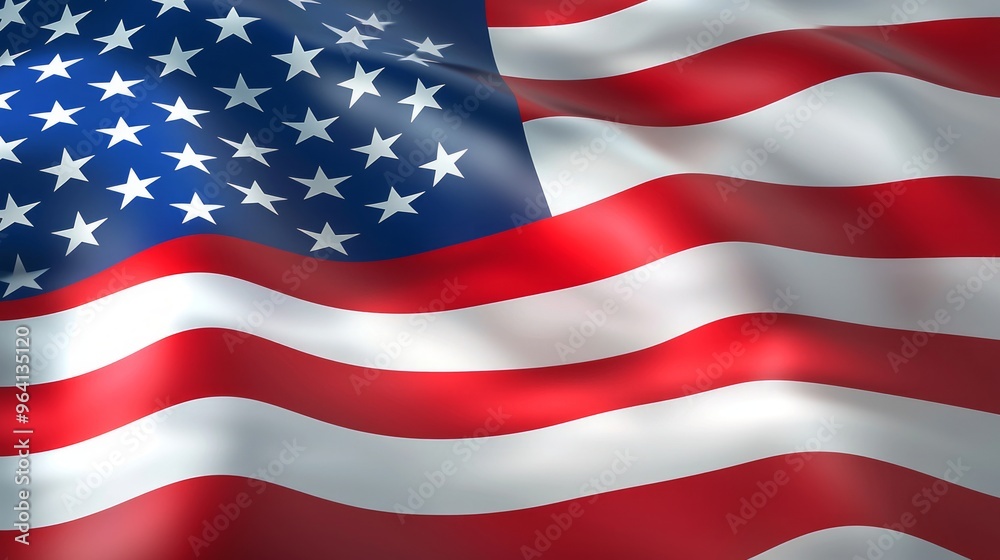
[560, 279]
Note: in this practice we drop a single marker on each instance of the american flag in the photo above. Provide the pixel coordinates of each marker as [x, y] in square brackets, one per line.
[561, 279]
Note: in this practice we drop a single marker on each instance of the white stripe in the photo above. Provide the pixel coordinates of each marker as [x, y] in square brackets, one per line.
[650, 305]
[856, 130]
[845, 543]
[642, 445]
[663, 31]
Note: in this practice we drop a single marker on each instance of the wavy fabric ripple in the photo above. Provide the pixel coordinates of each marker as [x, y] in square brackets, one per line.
[761, 323]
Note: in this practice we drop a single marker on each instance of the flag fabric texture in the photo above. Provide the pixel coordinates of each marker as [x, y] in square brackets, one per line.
[562, 279]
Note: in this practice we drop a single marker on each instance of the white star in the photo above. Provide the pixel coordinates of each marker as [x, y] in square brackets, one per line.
[233, 24]
[188, 158]
[21, 278]
[55, 68]
[300, 2]
[176, 59]
[56, 115]
[444, 164]
[120, 38]
[14, 214]
[241, 94]
[256, 195]
[322, 184]
[180, 111]
[312, 127]
[5, 96]
[68, 169]
[428, 47]
[122, 132]
[362, 83]
[197, 209]
[167, 4]
[133, 188]
[299, 60]
[352, 36]
[327, 239]
[423, 98]
[7, 59]
[372, 22]
[11, 13]
[414, 58]
[247, 149]
[7, 149]
[80, 233]
[395, 204]
[66, 25]
[379, 148]
[117, 86]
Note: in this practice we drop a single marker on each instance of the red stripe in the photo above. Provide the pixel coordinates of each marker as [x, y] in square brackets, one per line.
[934, 217]
[681, 519]
[745, 75]
[532, 13]
[951, 370]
